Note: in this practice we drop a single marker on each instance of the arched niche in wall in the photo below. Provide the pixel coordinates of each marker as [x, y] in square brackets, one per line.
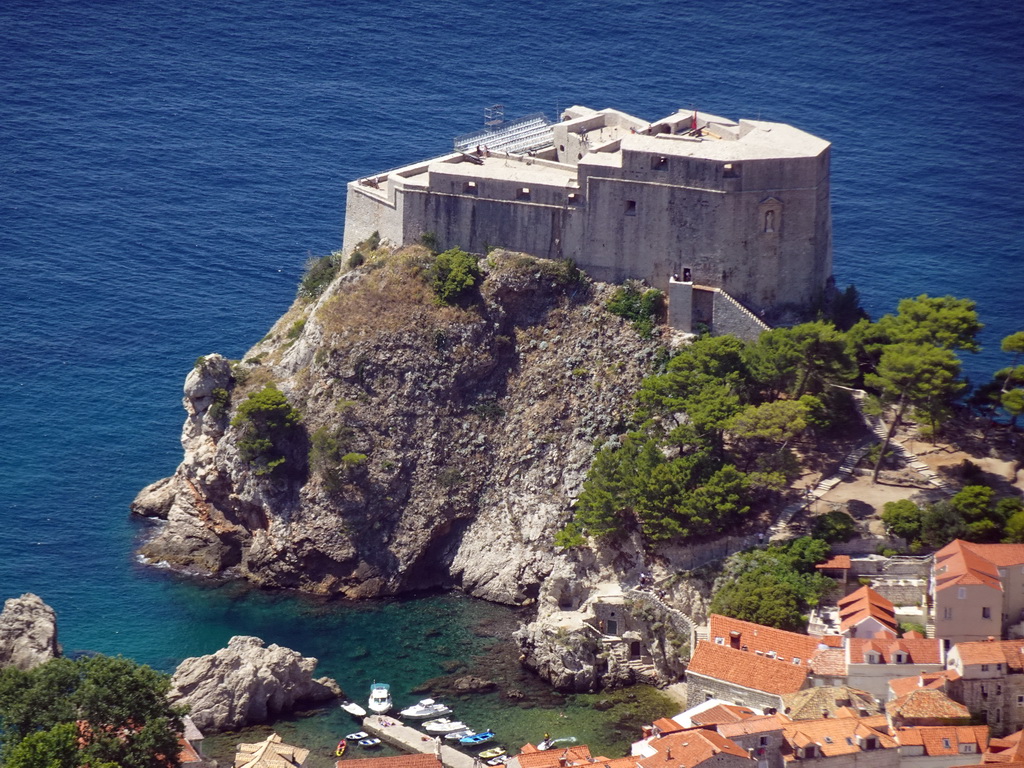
[769, 217]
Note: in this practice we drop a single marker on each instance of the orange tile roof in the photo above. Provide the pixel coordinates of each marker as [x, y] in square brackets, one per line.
[1009, 652]
[830, 662]
[838, 736]
[722, 713]
[926, 703]
[552, 758]
[901, 686]
[186, 752]
[748, 670]
[943, 739]
[428, 760]
[760, 724]
[690, 748]
[755, 637]
[960, 563]
[1005, 750]
[864, 604]
[837, 562]
[667, 725]
[916, 650]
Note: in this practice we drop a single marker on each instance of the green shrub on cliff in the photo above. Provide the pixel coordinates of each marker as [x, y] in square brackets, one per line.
[640, 306]
[453, 275]
[268, 426]
[319, 273]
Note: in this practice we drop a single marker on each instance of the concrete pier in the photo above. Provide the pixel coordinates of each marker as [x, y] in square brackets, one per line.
[395, 733]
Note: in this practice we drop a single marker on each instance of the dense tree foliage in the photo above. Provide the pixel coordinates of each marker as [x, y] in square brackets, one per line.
[975, 513]
[96, 711]
[269, 428]
[713, 434]
[774, 586]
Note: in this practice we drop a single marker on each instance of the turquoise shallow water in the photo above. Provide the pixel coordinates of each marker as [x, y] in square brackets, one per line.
[167, 168]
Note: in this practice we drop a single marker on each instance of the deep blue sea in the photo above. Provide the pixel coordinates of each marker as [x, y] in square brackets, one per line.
[166, 169]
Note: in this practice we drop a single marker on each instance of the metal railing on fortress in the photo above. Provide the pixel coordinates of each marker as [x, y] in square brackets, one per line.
[527, 133]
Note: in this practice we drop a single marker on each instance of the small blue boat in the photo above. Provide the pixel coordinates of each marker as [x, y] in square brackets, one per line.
[477, 738]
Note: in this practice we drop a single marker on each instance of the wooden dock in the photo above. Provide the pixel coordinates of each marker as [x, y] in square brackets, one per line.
[395, 733]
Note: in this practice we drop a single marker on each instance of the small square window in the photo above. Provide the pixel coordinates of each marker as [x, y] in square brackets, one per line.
[470, 188]
[659, 163]
[763, 741]
[523, 193]
[731, 170]
[945, 743]
[1020, 700]
[984, 668]
[631, 207]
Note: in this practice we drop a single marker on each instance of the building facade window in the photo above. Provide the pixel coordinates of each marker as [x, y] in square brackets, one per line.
[631, 207]
[947, 613]
[986, 612]
[961, 593]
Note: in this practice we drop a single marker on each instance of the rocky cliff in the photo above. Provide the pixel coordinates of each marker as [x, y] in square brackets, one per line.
[28, 632]
[247, 683]
[439, 446]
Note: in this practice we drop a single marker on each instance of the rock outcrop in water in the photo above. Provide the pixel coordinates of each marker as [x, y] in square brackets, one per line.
[444, 444]
[28, 632]
[246, 683]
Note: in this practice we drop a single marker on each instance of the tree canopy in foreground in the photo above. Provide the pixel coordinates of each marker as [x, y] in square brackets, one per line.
[98, 711]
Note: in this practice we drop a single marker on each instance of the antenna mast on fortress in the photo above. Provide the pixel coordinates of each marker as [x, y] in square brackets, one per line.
[494, 115]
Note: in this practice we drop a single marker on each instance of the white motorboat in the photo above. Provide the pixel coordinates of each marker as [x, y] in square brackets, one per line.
[380, 698]
[353, 709]
[456, 735]
[443, 725]
[425, 709]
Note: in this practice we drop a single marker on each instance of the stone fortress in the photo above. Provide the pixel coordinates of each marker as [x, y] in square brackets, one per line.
[732, 220]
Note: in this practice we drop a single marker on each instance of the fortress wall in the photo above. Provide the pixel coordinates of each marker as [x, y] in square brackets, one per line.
[366, 213]
[476, 224]
[497, 189]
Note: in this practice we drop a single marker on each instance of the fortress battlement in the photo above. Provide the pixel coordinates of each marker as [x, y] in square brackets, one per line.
[741, 206]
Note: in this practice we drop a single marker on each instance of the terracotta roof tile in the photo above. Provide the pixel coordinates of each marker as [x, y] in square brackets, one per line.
[552, 758]
[746, 635]
[690, 748]
[961, 563]
[760, 724]
[748, 670]
[722, 713]
[943, 739]
[396, 761]
[667, 725]
[864, 604]
[830, 662]
[1009, 652]
[837, 562]
[918, 651]
[901, 686]
[926, 703]
[838, 736]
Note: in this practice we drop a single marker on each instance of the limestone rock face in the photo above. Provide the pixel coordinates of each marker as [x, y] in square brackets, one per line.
[247, 682]
[440, 447]
[28, 632]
